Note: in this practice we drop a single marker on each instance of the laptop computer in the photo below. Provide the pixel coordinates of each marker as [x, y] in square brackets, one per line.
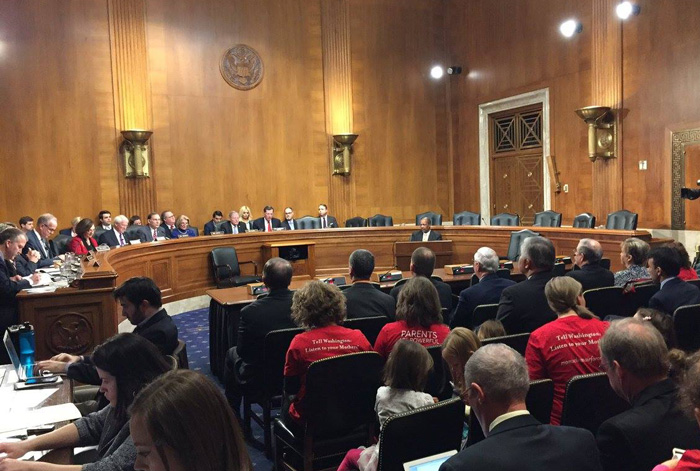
[24, 372]
[429, 463]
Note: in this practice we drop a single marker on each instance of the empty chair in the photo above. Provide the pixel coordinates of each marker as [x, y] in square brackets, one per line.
[61, 243]
[484, 312]
[584, 221]
[308, 222]
[686, 323]
[622, 219]
[370, 326]
[132, 233]
[539, 399]
[439, 378]
[638, 295]
[517, 342]
[516, 240]
[356, 222]
[466, 218]
[589, 401]
[435, 218]
[606, 301]
[380, 220]
[548, 219]
[505, 219]
[227, 271]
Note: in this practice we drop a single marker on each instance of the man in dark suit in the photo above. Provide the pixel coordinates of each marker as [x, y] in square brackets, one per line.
[26, 224]
[267, 223]
[327, 222]
[116, 237]
[141, 304]
[664, 265]
[70, 231]
[523, 307]
[216, 218]
[104, 220]
[234, 224]
[635, 358]
[38, 240]
[168, 223]
[498, 381]
[425, 234]
[487, 291]
[363, 299]
[423, 264]
[153, 230]
[272, 312]
[289, 223]
[587, 257]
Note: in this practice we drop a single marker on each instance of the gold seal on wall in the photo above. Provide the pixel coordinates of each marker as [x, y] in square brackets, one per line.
[242, 67]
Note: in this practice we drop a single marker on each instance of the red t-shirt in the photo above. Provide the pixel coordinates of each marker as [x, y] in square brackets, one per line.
[395, 331]
[687, 274]
[317, 344]
[562, 349]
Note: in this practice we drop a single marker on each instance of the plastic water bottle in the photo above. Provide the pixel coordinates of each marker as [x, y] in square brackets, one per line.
[27, 346]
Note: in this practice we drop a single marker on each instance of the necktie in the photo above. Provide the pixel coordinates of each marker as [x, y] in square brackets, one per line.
[155, 234]
[46, 247]
[121, 240]
[323, 221]
[269, 226]
[235, 229]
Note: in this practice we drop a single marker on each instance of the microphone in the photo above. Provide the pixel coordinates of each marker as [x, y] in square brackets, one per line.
[484, 221]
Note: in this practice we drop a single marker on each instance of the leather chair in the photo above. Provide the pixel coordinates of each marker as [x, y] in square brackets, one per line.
[227, 271]
[133, 232]
[539, 399]
[516, 240]
[466, 218]
[339, 413]
[308, 222]
[370, 326]
[623, 219]
[548, 219]
[380, 220]
[584, 221]
[605, 301]
[438, 384]
[686, 323]
[61, 243]
[422, 432]
[505, 219]
[180, 353]
[356, 222]
[98, 232]
[268, 392]
[517, 342]
[435, 218]
[195, 229]
[483, 313]
[589, 401]
[559, 269]
[638, 295]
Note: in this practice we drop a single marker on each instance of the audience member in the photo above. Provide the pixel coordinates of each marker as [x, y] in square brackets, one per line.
[425, 233]
[182, 228]
[633, 256]
[686, 272]
[523, 307]
[242, 371]
[168, 223]
[245, 217]
[326, 220]
[362, 298]
[587, 257]
[115, 237]
[126, 363]
[490, 329]
[320, 309]
[104, 218]
[289, 223]
[153, 230]
[487, 291]
[135, 220]
[405, 377]
[234, 225]
[635, 358]
[181, 422]
[267, 223]
[459, 345]
[567, 346]
[418, 318]
[70, 231]
[26, 223]
[497, 384]
[663, 323]
[216, 218]
[423, 264]
[664, 265]
[83, 242]
[38, 240]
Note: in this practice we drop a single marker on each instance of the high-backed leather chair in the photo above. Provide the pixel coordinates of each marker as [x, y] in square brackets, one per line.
[638, 295]
[61, 243]
[466, 218]
[380, 220]
[539, 399]
[505, 219]
[483, 313]
[439, 378]
[435, 218]
[622, 219]
[133, 232]
[605, 301]
[195, 229]
[356, 222]
[517, 342]
[308, 222]
[370, 326]
[548, 219]
[589, 401]
[584, 221]
[227, 271]
[686, 323]
[516, 240]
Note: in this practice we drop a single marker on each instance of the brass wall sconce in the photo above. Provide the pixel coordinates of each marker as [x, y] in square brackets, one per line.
[342, 148]
[134, 149]
[602, 132]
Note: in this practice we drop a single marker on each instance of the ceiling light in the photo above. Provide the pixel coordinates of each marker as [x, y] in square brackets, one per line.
[570, 27]
[626, 9]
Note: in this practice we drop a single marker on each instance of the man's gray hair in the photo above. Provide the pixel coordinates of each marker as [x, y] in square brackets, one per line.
[487, 258]
[121, 219]
[591, 250]
[540, 251]
[500, 371]
[637, 346]
[230, 214]
[45, 218]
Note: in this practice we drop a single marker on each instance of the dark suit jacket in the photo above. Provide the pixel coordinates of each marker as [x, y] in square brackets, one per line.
[332, 222]
[523, 307]
[259, 224]
[146, 233]
[227, 227]
[288, 227]
[643, 436]
[487, 291]
[364, 300]
[8, 302]
[110, 239]
[209, 227]
[443, 289]
[34, 243]
[523, 444]
[160, 330]
[23, 266]
[674, 294]
[592, 275]
[418, 236]
[167, 231]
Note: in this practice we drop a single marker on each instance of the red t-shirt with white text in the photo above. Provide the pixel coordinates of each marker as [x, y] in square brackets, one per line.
[395, 331]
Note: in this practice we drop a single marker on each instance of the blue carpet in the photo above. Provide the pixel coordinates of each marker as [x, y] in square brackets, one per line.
[193, 328]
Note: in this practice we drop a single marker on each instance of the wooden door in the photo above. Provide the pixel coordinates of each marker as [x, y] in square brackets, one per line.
[515, 157]
[692, 175]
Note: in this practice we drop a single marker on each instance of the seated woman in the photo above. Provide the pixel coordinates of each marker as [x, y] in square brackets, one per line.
[84, 241]
[320, 309]
[182, 228]
[418, 318]
[126, 363]
[687, 272]
[182, 421]
[244, 213]
[567, 346]
[633, 255]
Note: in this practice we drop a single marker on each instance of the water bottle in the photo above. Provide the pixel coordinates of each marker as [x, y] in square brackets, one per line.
[27, 346]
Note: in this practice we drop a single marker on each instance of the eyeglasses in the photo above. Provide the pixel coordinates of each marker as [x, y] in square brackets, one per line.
[49, 228]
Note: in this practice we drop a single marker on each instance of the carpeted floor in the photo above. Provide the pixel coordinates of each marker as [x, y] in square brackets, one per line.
[193, 328]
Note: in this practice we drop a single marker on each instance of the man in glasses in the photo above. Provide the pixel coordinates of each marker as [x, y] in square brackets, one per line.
[38, 239]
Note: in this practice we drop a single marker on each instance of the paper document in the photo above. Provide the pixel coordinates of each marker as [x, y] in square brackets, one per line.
[45, 415]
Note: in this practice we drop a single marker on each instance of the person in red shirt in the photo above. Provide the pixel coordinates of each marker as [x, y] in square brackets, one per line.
[687, 272]
[319, 308]
[418, 318]
[567, 346]
[83, 241]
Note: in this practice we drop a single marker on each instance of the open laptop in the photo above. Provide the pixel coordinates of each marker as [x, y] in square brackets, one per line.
[429, 463]
[24, 372]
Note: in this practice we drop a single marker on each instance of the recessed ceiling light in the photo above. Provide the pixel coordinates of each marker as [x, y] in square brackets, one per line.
[570, 27]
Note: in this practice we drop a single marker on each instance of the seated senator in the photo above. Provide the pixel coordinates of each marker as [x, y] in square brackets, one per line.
[84, 241]
[182, 228]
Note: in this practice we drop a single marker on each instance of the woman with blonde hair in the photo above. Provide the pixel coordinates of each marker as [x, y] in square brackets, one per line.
[244, 212]
[458, 347]
[182, 228]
